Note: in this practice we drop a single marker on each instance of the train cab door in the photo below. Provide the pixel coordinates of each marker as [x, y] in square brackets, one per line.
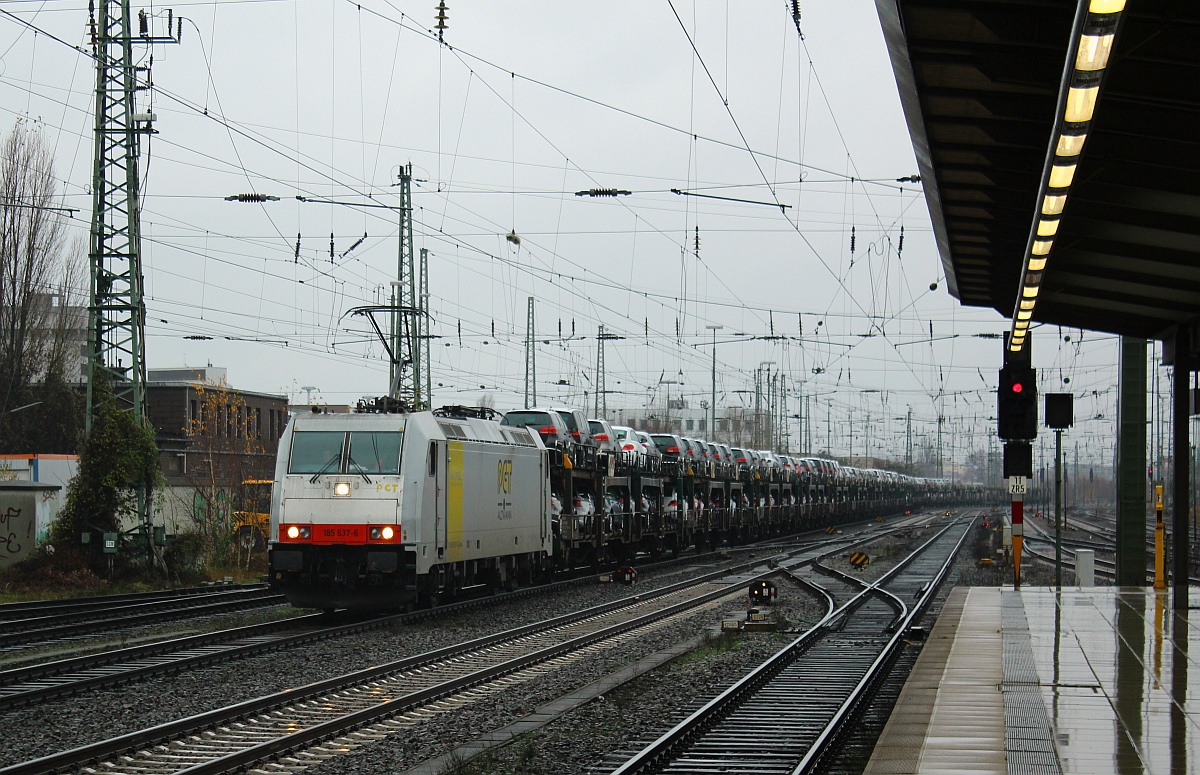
[437, 472]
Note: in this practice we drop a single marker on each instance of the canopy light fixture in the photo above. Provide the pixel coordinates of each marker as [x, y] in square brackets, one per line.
[1053, 204]
[1069, 145]
[1092, 39]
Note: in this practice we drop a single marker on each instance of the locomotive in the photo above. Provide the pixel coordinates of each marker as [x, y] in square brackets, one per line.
[384, 509]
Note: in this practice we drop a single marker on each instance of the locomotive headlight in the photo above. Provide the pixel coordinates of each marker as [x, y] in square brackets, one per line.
[388, 533]
[341, 488]
[293, 532]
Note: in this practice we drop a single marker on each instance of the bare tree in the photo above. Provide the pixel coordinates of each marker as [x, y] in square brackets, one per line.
[41, 321]
[229, 468]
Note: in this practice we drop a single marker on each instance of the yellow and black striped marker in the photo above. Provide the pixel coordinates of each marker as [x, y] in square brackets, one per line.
[859, 559]
[878, 519]
[831, 530]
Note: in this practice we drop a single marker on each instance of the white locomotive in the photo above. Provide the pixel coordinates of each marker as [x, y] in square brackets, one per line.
[384, 510]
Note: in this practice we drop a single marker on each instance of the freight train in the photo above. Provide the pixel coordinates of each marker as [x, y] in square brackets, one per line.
[380, 509]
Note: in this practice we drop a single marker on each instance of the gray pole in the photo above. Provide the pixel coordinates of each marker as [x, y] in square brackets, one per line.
[1130, 467]
[530, 359]
[1182, 482]
[712, 426]
[1058, 522]
[908, 442]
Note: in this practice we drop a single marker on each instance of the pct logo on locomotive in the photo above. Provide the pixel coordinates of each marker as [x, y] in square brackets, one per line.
[504, 470]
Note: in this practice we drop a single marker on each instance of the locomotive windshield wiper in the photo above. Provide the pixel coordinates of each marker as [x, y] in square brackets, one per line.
[361, 471]
[325, 468]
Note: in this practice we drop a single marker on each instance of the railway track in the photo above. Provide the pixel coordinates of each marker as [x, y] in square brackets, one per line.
[373, 702]
[1103, 567]
[56, 626]
[322, 719]
[784, 716]
[71, 605]
[65, 677]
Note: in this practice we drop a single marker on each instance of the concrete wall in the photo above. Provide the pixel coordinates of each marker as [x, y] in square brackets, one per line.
[22, 510]
[57, 470]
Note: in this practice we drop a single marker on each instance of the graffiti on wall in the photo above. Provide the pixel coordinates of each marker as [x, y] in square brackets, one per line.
[17, 526]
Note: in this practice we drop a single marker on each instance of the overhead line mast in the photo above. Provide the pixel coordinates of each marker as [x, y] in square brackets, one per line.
[116, 305]
[408, 308]
[116, 311]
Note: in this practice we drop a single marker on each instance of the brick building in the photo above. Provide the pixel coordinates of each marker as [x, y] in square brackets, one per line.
[212, 439]
[175, 403]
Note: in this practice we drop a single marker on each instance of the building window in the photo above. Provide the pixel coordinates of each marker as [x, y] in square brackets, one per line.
[257, 423]
[192, 410]
[690, 424]
[704, 425]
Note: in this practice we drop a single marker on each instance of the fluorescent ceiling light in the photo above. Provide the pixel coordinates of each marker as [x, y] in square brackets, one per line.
[1093, 52]
[1080, 103]
[1106, 6]
[1036, 265]
[1030, 291]
[1061, 175]
[1053, 204]
[1069, 145]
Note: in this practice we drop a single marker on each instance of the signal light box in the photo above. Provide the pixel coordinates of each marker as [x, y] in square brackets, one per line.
[1016, 403]
[1060, 411]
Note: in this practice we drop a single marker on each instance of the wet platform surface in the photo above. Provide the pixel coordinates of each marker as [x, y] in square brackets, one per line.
[1100, 680]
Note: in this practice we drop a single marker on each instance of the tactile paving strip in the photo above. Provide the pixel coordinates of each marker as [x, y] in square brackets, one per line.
[1028, 737]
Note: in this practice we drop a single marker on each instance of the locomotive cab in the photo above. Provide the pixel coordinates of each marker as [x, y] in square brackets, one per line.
[385, 511]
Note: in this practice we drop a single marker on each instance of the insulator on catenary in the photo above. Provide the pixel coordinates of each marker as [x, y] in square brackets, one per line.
[251, 198]
[851, 240]
[297, 247]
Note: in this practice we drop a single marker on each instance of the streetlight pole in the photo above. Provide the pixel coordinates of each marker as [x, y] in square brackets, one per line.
[712, 425]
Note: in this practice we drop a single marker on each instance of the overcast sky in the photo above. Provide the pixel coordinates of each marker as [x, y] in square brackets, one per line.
[527, 103]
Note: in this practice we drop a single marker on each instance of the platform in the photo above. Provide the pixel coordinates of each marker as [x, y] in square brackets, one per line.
[1084, 681]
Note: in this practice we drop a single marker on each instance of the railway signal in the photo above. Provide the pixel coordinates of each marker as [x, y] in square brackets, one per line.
[1016, 405]
[1016, 416]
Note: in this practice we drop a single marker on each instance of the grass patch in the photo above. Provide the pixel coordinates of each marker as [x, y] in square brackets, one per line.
[713, 644]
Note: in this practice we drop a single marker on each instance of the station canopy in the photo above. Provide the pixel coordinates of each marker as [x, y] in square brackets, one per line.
[979, 82]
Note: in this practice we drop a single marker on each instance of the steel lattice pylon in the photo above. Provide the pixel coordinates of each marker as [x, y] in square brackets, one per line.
[116, 314]
[116, 309]
[407, 383]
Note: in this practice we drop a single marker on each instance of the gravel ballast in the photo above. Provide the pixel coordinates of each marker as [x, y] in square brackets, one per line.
[581, 738]
[47, 728]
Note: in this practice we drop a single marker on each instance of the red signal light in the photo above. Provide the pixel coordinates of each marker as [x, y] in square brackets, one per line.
[1017, 387]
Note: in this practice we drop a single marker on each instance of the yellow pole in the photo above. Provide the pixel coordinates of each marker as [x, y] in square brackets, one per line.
[1160, 575]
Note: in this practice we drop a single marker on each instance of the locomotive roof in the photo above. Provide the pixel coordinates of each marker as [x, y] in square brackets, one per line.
[449, 428]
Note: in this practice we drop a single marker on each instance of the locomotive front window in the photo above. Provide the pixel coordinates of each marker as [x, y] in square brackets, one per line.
[375, 452]
[316, 452]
